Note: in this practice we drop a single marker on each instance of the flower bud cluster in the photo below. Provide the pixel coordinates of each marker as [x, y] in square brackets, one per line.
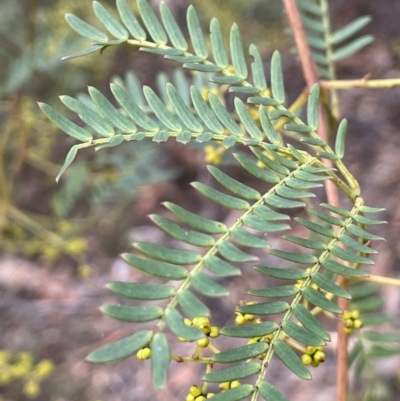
[313, 356]
[196, 394]
[352, 321]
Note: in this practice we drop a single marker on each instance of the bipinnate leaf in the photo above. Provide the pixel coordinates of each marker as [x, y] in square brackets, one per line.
[175, 323]
[341, 139]
[65, 125]
[270, 393]
[291, 360]
[159, 360]
[241, 353]
[308, 320]
[120, 349]
[232, 373]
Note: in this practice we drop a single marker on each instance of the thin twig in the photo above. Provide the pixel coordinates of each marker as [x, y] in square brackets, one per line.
[361, 83]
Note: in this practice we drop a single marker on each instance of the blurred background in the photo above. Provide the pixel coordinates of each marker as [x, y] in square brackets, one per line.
[59, 244]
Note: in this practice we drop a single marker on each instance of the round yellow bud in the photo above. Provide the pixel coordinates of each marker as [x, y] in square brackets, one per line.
[310, 350]
[358, 324]
[355, 314]
[203, 342]
[306, 359]
[214, 332]
[143, 354]
[44, 368]
[348, 330]
[195, 390]
[182, 339]
[200, 398]
[314, 364]
[249, 317]
[235, 383]
[209, 395]
[31, 389]
[224, 386]
[347, 315]
[348, 323]
[319, 356]
[320, 348]
[187, 321]
[189, 397]
[240, 320]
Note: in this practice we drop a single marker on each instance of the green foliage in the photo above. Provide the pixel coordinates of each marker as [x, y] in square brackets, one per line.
[285, 170]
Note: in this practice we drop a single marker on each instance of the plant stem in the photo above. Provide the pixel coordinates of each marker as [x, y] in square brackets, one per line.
[361, 83]
[394, 282]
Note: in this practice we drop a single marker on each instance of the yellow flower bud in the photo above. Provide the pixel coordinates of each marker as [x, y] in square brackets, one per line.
[200, 398]
[187, 321]
[249, 317]
[240, 320]
[203, 342]
[44, 368]
[319, 356]
[189, 397]
[209, 395]
[357, 324]
[310, 350]
[355, 314]
[31, 389]
[349, 323]
[314, 364]
[224, 386]
[348, 330]
[320, 348]
[306, 359]
[195, 390]
[143, 354]
[235, 383]
[214, 332]
[347, 315]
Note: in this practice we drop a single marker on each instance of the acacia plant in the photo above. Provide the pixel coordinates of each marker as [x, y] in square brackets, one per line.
[287, 150]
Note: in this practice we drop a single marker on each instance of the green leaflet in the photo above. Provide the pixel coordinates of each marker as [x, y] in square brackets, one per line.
[291, 360]
[327, 217]
[182, 110]
[237, 52]
[228, 201]
[241, 353]
[295, 257]
[187, 236]
[270, 393]
[196, 33]
[175, 323]
[301, 334]
[223, 115]
[191, 304]
[250, 331]
[120, 349]
[65, 125]
[110, 22]
[141, 290]
[168, 119]
[278, 90]
[245, 238]
[161, 136]
[233, 253]
[308, 320]
[368, 209]
[264, 226]
[337, 210]
[151, 22]
[268, 128]
[305, 176]
[355, 352]
[275, 292]
[283, 274]
[221, 268]
[156, 268]
[110, 112]
[159, 360]
[207, 286]
[341, 139]
[310, 7]
[258, 172]
[313, 107]
[84, 52]
[350, 256]
[133, 313]
[289, 193]
[316, 298]
[257, 68]
[114, 141]
[174, 32]
[247, 120]
[133, 111]
[283, 203]
[328, 285]
[198, 222]
[233, 185]
[368, 304]
[272, 165]
[264, 212]
[204, 112]
[130, 21]
[317, 228]
[184, 137]
[298, 128]
[168, 254]
[313, 141]
[364, 220]
[226, 80]
[378, 336]
[217, 44]
[233, 372]
[339, 268]
[306, 243]
[350, 29]
[235, 394]
[353, 47]
[68, 160]
[264, 308]
[84, 29]
[88, 116]
[359, 232]
[363, 290]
